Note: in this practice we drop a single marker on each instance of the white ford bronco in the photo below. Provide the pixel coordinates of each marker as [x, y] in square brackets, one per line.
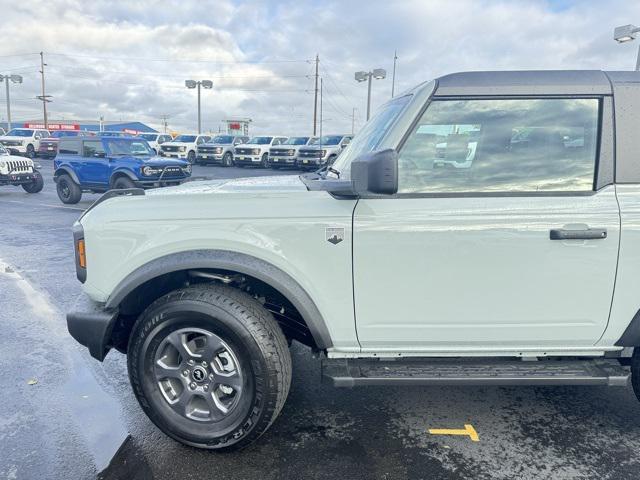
[481, 229]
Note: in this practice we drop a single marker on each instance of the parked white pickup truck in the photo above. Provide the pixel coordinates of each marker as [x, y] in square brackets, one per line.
[519, 266]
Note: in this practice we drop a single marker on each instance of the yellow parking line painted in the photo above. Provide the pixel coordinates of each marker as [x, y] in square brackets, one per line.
[468, 431]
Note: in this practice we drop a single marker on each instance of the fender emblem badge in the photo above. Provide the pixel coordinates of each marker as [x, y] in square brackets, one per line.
[334, 234]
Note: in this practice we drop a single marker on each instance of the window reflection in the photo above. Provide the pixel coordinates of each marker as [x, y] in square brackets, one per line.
[502, 146]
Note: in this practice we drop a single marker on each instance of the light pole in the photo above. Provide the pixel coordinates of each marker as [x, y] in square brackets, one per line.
[378, 74]
[627, 33]
[208, 84]
[13, 79]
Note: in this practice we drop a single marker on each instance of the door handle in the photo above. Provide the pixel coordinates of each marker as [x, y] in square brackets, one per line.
[583, 234]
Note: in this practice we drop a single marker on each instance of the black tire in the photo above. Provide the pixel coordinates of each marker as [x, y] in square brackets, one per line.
[31, 152]
[259, 354]
[191, 157]
[36, 185]
[227, 159]
[123, 182]
[265, 160]
[69, 192]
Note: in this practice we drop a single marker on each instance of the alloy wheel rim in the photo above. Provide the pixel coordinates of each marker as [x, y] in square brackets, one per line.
[198, 375]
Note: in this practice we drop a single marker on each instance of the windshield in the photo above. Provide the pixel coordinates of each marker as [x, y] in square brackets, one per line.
[149, 137]
[371, 134]
[222, 139]
[60, 134]
[329, 140]
[122, 146]
[297, 141]
[260, 140]
[20, 133]
[185, 138]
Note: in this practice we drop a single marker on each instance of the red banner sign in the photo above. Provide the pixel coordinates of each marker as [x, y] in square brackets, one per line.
[234, 126]
[53, 126]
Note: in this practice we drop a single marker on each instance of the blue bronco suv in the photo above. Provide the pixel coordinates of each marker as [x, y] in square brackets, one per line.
[98, 164]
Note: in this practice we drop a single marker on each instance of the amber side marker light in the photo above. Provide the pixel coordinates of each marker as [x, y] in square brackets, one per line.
[82, 257]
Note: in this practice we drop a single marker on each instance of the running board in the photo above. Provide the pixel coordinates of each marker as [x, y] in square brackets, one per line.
[358, 372]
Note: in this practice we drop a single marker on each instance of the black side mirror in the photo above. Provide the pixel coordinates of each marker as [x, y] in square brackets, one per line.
[375, 173]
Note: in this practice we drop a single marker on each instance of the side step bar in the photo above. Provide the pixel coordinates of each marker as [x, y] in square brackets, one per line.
[359, 372]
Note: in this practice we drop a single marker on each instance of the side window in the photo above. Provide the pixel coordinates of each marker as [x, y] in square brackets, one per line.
[524, 145]
[70, 147]
[345, 141]
[93, 149]
[199, 140]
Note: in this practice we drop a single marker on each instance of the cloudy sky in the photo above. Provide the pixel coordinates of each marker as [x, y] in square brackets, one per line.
[128, 60]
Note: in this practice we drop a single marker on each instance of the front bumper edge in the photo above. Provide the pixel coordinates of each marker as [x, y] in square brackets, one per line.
[90, 324]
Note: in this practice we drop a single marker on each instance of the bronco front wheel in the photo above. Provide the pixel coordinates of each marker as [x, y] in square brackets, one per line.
[209, 366]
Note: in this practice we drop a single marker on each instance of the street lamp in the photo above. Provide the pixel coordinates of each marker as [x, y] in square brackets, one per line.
[627, 33]
[13, 79]
[378, 74]
[208, 84]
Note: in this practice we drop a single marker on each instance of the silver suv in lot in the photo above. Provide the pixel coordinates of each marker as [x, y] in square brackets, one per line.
[256, 150]
[286, 154]
[322, 152]
[219, 149]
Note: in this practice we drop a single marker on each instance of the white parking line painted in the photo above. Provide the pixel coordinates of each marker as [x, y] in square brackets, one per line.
[45, 205]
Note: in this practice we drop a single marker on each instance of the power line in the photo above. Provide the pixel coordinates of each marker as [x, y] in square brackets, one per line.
[172, 60]
[19, 55]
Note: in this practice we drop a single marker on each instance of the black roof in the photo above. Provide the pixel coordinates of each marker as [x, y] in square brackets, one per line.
[558, 82]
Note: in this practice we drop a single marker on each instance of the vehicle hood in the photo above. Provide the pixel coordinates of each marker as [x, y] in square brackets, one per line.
[217, 145]
[315, 148]
[5, 137]
[177, 144]
[271, 184]
[156, 161]
[253, 145]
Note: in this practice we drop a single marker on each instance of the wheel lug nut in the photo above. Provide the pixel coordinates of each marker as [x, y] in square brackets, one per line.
[206, 388]
[193, 386]
[211, 376]
[204, 364]
[185, 373]
[191, 362]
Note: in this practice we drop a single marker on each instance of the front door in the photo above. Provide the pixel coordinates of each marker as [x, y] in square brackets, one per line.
[95, 165]
[463, 257]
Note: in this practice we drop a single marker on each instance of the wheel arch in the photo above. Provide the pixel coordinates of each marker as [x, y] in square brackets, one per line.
[122, 172]
[66, 170]
[152, 280]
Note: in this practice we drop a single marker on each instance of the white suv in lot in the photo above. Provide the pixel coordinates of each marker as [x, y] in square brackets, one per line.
[184, 146]
[256, 151]
[155, 140]
[322, 152]
[286, 154]
[24, 141]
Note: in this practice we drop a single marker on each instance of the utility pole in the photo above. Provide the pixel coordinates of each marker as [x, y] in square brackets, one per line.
[44, 97]
[7, 79]
[8, 105]
[393, 78]
[165, 124]
[320, 140]
[315, 98]
[353, 120]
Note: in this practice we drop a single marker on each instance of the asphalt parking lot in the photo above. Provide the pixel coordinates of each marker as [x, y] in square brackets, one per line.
[47, 428]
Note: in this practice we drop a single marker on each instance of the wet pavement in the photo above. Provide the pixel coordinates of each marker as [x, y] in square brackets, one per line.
[322, 432]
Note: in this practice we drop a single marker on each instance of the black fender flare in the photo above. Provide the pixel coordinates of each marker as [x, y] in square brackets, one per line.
[69, 171]
[233, 261]
[121, 172]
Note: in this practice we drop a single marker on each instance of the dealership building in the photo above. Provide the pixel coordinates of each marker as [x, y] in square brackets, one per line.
[85, 125]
